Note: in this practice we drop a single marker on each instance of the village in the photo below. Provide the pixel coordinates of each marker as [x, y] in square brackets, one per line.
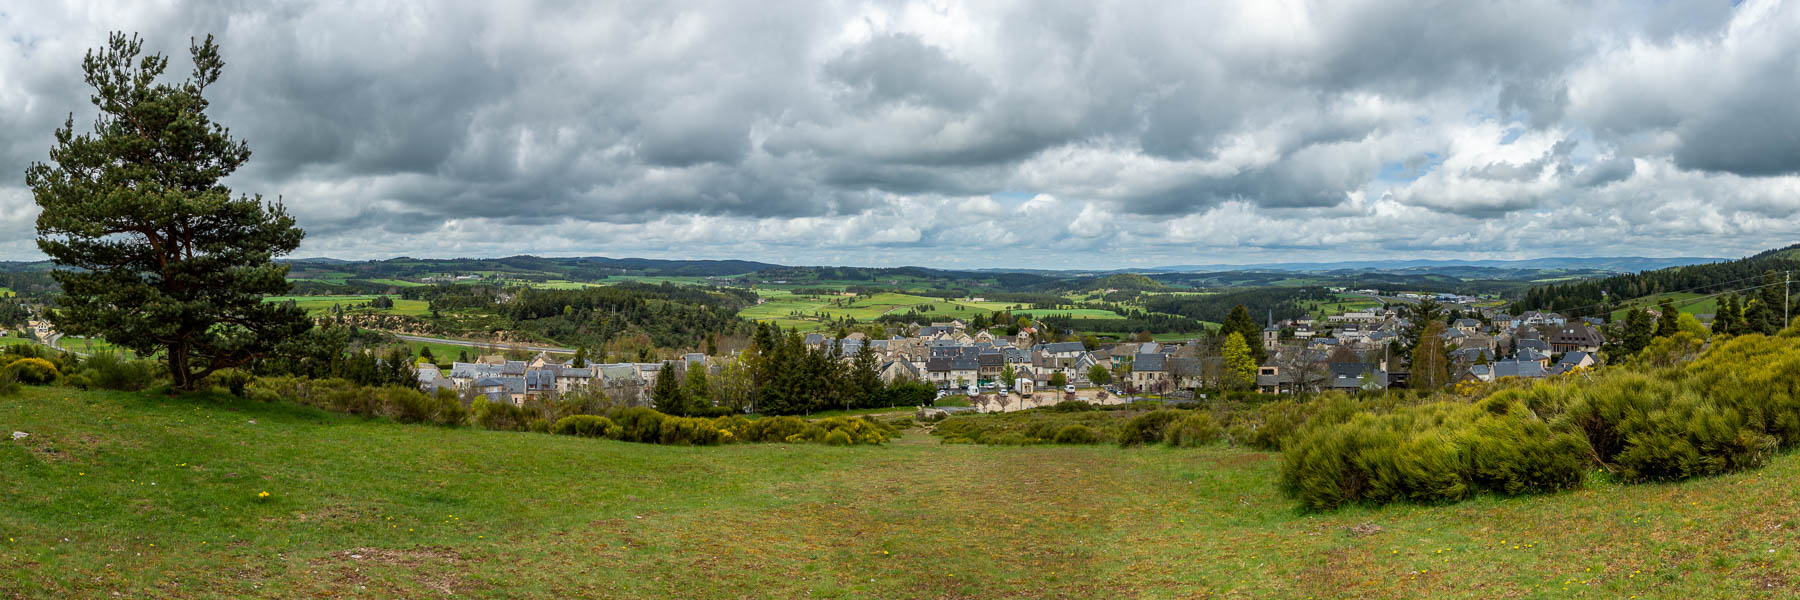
[1350, 352]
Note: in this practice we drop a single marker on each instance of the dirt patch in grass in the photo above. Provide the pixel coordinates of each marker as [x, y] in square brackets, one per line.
[59, 449]
[436, 568]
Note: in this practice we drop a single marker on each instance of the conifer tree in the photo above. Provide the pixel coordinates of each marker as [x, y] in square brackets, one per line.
[155, 254]
[1665, 324]
[667, 395]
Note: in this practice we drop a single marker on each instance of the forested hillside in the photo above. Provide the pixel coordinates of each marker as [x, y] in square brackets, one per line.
[1600, 296]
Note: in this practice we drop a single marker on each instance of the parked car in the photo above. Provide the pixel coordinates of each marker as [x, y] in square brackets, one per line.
[1069, 389]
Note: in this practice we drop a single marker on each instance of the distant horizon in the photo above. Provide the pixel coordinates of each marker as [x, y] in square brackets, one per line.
[1446, 261]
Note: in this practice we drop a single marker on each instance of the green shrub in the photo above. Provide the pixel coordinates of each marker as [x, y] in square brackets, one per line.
[1147, 428]
[837, 438]
[586, 426]
[689, 431]
[538, 425]
[1192, 431]
[639, 424]
[774, 429]
[33, 371]
[107, 370]
[235, 381]
[1436, 452]
[9, 383]
[1076, 434]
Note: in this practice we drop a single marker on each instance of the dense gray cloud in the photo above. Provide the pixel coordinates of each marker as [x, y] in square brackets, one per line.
[1039, 134]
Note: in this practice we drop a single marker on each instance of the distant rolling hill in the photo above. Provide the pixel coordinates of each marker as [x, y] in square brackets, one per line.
[1616, 264]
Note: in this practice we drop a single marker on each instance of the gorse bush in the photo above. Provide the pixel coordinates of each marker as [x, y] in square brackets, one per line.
[1436, 452]
[1197, 429]
[1076, 434]
[1728, 410]
[586, 426]
[644, 425]
[1148, 428]
[33, 371]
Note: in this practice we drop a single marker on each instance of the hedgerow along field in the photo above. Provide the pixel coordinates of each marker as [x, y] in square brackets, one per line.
[145, 495]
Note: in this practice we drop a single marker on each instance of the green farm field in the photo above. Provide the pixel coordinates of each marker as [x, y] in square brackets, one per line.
[780, 306]
[1687, 302]
[318, 305]
[143, 495]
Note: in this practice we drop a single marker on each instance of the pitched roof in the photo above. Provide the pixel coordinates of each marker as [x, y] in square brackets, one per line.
[1518, 368]
[1149, 362]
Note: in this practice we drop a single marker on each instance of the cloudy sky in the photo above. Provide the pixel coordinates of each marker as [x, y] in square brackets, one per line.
[981, 134]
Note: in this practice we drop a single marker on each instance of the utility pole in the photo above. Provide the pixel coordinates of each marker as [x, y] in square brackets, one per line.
[1786, 300]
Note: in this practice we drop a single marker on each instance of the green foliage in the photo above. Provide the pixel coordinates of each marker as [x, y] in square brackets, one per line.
[1193, 430]
[691, 431]
[1099, 375]
[33, 371]
[1436, 452]
[1240, 362]
[1147, 428]
[1430, 366]
[1728, 410]
[402, 404]
[1076, 434]
[156, 254]
[106, 370]
[639, 424]
[668, 395]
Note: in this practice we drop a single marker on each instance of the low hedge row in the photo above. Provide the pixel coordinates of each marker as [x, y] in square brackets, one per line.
[648, 426]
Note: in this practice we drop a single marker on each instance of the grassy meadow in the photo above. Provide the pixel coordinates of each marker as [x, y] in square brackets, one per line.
[780, 305]
[319, 305]
[1687, 302]
[142, 495]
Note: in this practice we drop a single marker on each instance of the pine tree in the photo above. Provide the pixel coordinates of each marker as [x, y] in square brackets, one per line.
[667, 395]
[1638, 332]
[156, 255]
[581, 354]
[1665, 325]
[1757, 319]
[865, 378]
[1725, 319]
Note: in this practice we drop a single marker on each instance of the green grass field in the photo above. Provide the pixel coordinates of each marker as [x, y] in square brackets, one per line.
[397, 282]
[318, 305]
[1687, 302]
[93, 346]
[5, 293]
[782, 304]
[1079, 313]
[146, 496]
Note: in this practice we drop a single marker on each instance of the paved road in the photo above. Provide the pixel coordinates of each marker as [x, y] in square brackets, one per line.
[415, 338]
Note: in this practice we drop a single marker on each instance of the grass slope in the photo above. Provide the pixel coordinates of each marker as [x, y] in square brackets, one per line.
[145, 496]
